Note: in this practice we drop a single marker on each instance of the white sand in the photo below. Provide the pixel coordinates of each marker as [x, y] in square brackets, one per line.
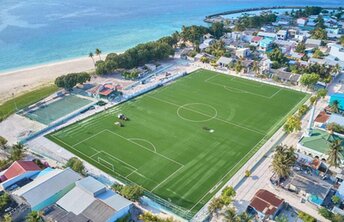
[23, 80]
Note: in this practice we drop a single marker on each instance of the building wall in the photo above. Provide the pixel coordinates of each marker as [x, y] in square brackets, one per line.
[6, 184]
[119, 214]
[53, 199]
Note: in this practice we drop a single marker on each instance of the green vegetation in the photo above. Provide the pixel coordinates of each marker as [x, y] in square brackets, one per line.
[131, 192]
[3, 142]
[134, 57]
[72, 79]
[306, 217]
[309, 79]
[148, 217]
[307, 11]
[330, 216]
[278, 58]
[335, 155]
[318, 54]
[293, 124]
[223, 200]
[11, 106]
[17, 152]
[256, 21]
[7, 218]
[35, 216]
[324, 72]
[172, 139]
[335, 199]
[300, 47]
[335, 128]
[341, 40]
[302, 110]
[4, 200]
[76, 165]
[319, 33]
[283, 160]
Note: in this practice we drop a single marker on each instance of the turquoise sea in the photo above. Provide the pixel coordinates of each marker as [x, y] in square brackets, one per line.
[41, 31]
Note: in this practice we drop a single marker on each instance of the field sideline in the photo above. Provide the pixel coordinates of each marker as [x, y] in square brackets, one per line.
[185, 140]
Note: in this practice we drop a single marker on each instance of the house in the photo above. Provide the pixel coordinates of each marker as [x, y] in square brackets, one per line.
[91, 199]
[255, 40]
[282, 34]
[102, 91]
[265, 44]
[151, 67]
[19, 170]
[242, 53]
[312, 44]
[316, 143]
[296, 56]
[269, 35]
[206, 43]
[224, 61]
[337, 51]
[47, 188]
[266, 204]
[208, 36]
[301, 21]
[265, 66]
[285, 46]
[293, 32]
[321, 119]
[287, 77]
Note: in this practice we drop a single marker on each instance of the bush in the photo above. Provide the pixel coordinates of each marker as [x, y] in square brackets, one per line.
[247, 173]
[131, 192]
[306, 217]
[77, 165]
[148, 217]
[325, 213]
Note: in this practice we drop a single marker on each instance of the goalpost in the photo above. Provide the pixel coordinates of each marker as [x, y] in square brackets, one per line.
[106, 164]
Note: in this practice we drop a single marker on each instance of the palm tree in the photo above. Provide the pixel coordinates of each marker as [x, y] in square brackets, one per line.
[335, 106]
[98, 52]
[91, 56]
[7, 218]
[230, 215]
[17, 151]
[255, 67]
[215, 205]
[336, 69]
[35, 216]
[335, 153]
[244, 217]
[283, 160]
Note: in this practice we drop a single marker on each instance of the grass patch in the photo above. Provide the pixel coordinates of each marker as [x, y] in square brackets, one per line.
[11, 106]
[184, 140]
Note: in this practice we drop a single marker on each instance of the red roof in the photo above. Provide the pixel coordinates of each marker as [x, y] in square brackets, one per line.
[266, 202]
[256, 39]
[322, 117]
[105, 92]
[19, 167]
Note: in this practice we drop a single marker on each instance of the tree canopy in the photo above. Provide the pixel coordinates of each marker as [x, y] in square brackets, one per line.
[132, 192]
[309, 79]
[76, 164]
[70, 80]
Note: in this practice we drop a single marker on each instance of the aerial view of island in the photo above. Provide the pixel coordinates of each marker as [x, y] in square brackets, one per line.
[166, 111]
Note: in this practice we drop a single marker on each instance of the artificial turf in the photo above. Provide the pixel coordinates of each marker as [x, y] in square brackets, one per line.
[185, 140]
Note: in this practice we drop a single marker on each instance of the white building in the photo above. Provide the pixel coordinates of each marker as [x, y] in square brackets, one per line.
[91, 199]
[337, 51]
[301, 21]
[282, 34]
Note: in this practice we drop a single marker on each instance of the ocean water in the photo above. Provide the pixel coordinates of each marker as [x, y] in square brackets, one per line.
[41, 31]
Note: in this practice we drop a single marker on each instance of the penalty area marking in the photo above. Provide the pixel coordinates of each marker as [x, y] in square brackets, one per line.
[144, 140]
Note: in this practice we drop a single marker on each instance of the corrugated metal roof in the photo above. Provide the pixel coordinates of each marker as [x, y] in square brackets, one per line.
[91, 185]
[47, 185]
[98, 211]
[335, 118]
[76, 200]
[114, 200]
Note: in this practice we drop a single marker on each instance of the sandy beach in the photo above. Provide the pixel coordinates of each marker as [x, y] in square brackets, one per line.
[23, 80]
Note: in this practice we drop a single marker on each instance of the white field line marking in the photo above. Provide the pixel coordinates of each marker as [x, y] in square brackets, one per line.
[95, 154]
[273, 128]
[115, 158]
[145, 148]
[99, 158]
[232, 78]
[225, 121]
[167, 178]
[244, 91]
[94, 135]
[139, 139]
[130, 173]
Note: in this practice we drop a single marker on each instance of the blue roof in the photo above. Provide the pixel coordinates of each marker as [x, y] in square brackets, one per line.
[91, 185]
[335, 118]
[265, 42]
[43, 172]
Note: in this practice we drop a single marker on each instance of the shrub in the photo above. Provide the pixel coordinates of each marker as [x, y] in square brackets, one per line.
[77, 165]
[306, 217]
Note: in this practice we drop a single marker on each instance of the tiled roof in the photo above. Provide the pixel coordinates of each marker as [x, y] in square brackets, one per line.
[20, 167]
[266, 202]
[322, 117]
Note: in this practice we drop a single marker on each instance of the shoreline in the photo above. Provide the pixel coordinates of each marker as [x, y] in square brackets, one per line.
[17, 82]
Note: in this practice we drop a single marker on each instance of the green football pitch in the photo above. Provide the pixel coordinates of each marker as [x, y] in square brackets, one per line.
[183, 141]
